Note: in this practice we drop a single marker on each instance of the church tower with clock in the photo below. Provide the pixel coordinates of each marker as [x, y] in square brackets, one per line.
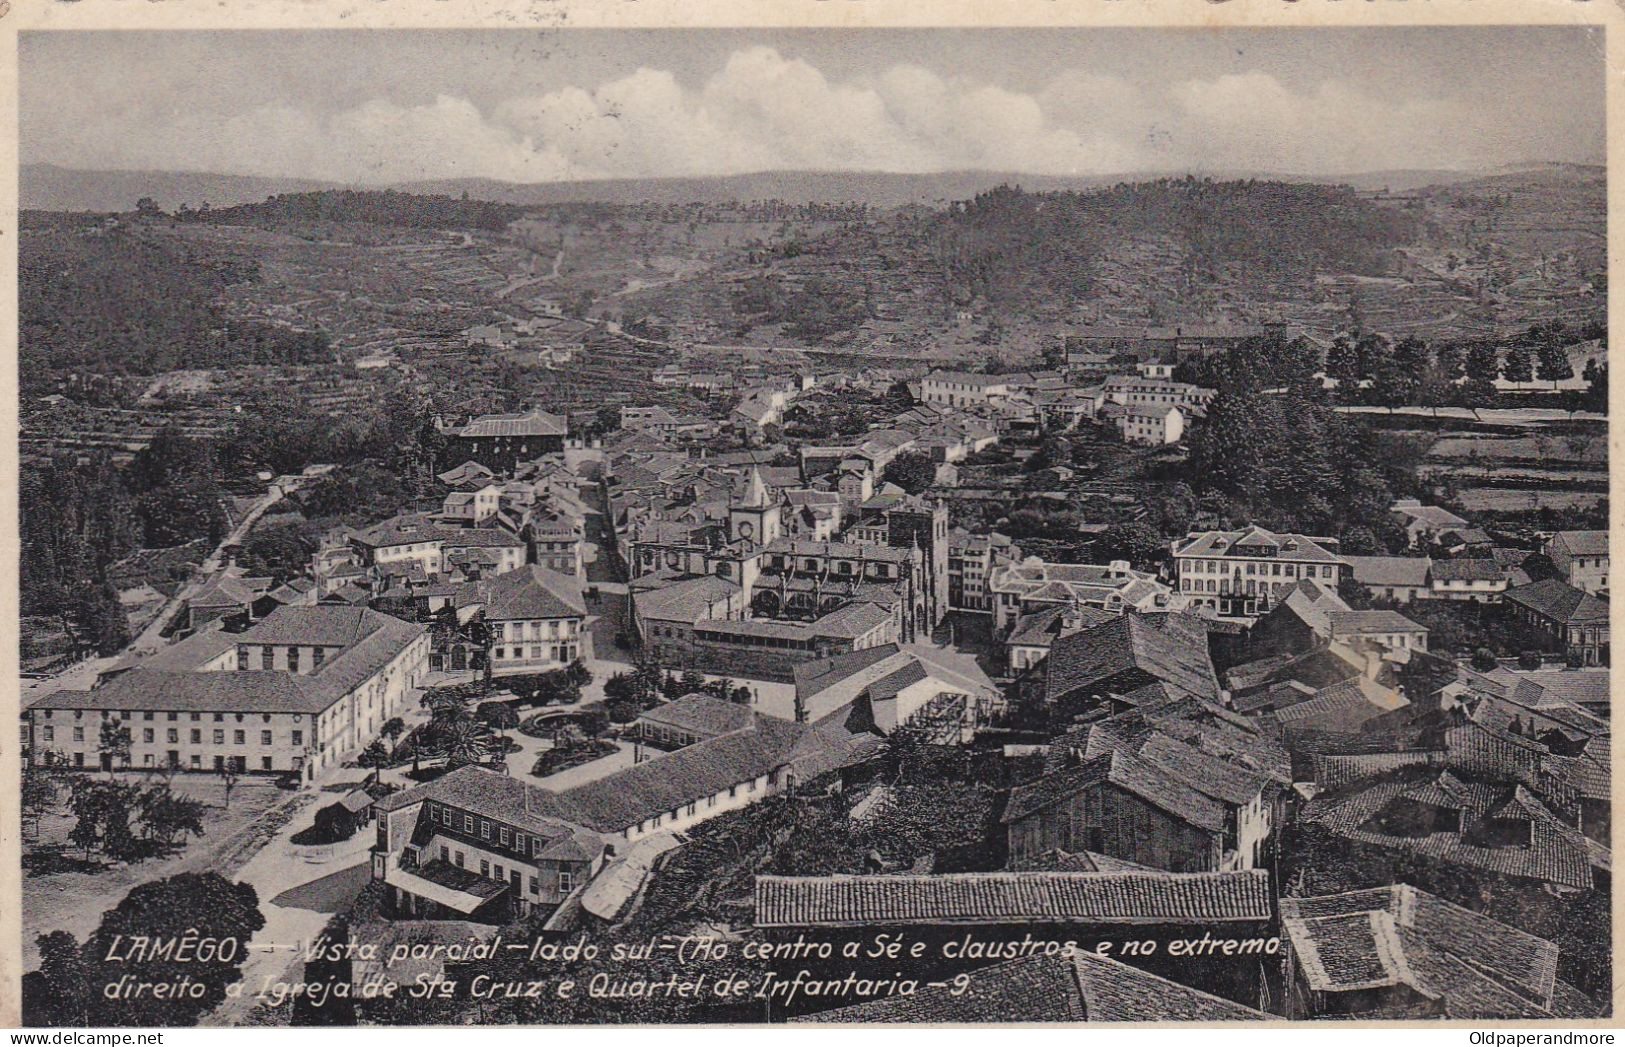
[756, 519]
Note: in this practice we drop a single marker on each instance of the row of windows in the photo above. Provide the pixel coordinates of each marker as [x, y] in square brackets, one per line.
[556, 653]
[466, 823]
[1224, 585]
[566, 880]
[1288, 570]
[552, 629]
[688, 810]
[876, 570]
[236, 763]
[79, 714]
[318, 655]
[173, 736]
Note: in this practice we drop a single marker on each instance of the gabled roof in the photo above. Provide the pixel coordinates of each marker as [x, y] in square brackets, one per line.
[1081, 987]
[1390, 570]
[1475, 966]
[1431, 515]
[1359, 623]
[699, 714]
[529, 592]
[660, 786]
[1559, 601]
[1581, 543]
[826, 684]
[1125, 770]
[1288, 546]
[1172, 653]
[684, 600]
[530, 423]
[318, 626]
[1468, 569]
[1012, 897]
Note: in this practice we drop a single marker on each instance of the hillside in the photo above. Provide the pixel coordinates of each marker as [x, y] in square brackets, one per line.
[48, 187]
[125, 301]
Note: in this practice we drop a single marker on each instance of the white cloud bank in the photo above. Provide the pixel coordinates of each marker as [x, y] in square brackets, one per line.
[763, 111]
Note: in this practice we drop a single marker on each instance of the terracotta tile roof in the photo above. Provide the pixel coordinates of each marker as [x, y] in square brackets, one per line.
[1390, 570]
[1094, 656]
[1467, 569]
[1556, 853]
[685, 600]
[530, 423]
[529, 592]
[1012, 897]
[1125, 770]
[1076, 988]
[1559, 602]
[1476, 966]
[699, 714]
[1581, 543]
[1293, 547]
[638, 793]
[1344, 623]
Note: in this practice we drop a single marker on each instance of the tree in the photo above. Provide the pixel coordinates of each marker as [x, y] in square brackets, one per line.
[114, 742]
[41, 788]
[376, 756]
[913, 471]
[1482, 367]
[101, 810]
[1135, 542]
[228, 781]
[1343, 365]
[64, 983]
[393, 728]
[166, 816]
[1375, 353]
[1517, 367]
[1595, 397]
[204, 906]
[594, 722]
[621, 687]
[1448, 361]
[1554, 364]
[1399, 374]
[464, 741]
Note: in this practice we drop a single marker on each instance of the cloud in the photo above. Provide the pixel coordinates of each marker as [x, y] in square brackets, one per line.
[764, 110]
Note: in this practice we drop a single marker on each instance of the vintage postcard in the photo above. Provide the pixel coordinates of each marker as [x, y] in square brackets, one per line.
[795, 513]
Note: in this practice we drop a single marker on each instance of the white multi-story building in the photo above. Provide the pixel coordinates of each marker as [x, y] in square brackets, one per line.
[296, 693]
[1135, 391]
[479, 842]
[1581, 559]
[1032, 585]
[1151, 426]
[963, 388]
[1242, 574]
[420, 541]
[535, 616]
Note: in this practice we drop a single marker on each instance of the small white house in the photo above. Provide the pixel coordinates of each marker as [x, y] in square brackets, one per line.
[1151, 425]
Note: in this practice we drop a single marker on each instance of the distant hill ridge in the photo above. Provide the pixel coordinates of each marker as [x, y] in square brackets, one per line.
[48, 187]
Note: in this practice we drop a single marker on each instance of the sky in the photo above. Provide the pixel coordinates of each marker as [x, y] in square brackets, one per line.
[373, 107]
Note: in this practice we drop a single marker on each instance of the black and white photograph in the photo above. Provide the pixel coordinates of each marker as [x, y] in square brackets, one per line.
[568, 524]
